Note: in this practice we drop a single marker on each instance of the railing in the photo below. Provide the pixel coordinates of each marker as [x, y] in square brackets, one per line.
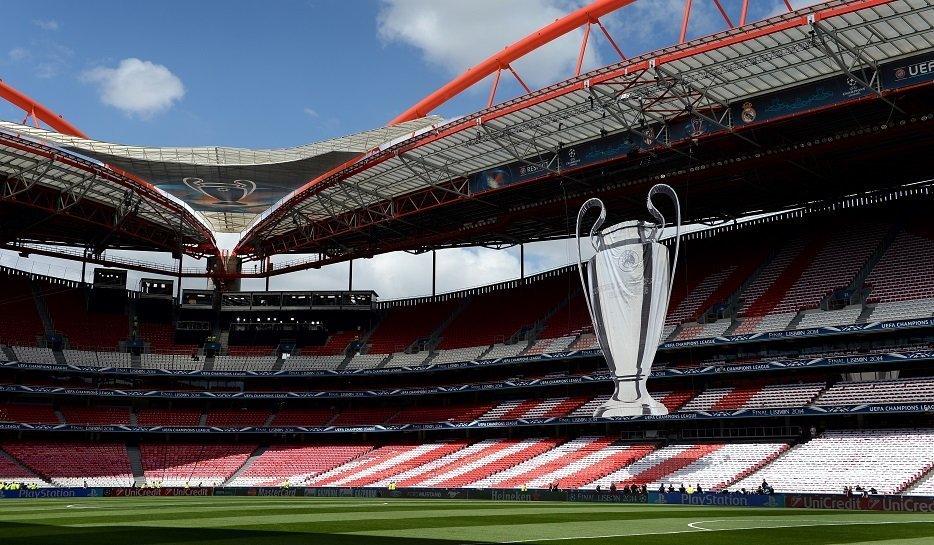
[741, 433]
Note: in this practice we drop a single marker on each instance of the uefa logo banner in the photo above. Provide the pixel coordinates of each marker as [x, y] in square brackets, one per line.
[224, 193]
[627, 290]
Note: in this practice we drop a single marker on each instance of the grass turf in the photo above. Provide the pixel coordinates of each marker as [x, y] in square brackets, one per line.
[352, 521]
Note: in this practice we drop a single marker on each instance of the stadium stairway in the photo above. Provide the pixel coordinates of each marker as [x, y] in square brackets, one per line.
[249, 461]
[788, 276]
[40, 307]
[438, 334]
[136, 464]
[874, 259]
[23, 467]
[749, 471]
[736, 398]
[922, 484]
[7, 352]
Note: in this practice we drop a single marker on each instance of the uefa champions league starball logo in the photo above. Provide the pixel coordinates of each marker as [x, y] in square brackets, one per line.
[224, 193]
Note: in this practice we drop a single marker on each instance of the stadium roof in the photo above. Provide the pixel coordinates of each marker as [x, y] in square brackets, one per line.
[52, 197]
[701, 82]
[227, 186]
[498, 176]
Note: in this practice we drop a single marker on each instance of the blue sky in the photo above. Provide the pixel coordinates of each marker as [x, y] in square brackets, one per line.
[274, 74]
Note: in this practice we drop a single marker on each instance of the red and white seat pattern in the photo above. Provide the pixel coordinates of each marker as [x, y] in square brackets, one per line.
[689, 305]
[535, 473]
[830, 318]
[703, 331]
[296, 464]
[924, 486]
[914, 390]
[834, 267]
[905, 270]
[755, 397]
[383, 474]
[888, 460]
[724, 464]
[484, 459]
[656, 467]
[550, 346]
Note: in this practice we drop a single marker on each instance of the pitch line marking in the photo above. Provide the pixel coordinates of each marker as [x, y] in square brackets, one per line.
[694, 531]
[693, 525]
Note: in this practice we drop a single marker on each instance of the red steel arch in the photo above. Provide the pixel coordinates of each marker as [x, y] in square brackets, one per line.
[38, 111]
[502, 60]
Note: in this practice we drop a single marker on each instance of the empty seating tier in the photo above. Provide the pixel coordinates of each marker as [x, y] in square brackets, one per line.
[887, 460]
[74, 463]
[296, 464]
[194, 464]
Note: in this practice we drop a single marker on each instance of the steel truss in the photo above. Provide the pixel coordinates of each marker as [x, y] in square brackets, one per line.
[65, 186]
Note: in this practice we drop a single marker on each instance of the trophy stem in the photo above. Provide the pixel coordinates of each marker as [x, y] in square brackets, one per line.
[630, 398]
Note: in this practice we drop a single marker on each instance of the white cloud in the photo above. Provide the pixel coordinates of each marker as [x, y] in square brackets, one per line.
[46, 25]
[399, 274]
[18, 54]
[310, 112]
[47, 70]
[779, 7]
[458, 35]
[137, 87]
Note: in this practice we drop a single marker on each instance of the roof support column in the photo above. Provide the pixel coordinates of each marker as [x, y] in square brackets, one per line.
[522, 261]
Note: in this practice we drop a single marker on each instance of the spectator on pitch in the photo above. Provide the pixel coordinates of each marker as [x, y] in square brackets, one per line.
[645, 489]
[661, 488]
[698, 489]
[598, 488]
[681, 489]
[671, 488]
[613, 488]
[873, 491]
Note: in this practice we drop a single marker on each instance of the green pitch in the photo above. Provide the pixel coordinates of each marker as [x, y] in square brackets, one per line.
[317, 521]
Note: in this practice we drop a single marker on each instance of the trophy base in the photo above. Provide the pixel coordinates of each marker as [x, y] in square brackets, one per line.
[633, 408]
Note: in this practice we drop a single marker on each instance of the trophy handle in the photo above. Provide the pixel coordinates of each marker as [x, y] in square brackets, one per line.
[665, 189]
[591, 203]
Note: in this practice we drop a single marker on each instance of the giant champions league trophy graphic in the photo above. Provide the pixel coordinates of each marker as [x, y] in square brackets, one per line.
[223, 193]
[627, 291]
